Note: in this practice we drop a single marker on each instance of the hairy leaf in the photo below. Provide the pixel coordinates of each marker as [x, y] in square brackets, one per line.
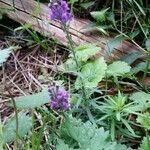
[118, 68]
[92, 73]
[62, 146]
[144, 120]
[68, 66]
[86, 135]
[84, 52]
[24, 126]
[32, 101]
[142, 99]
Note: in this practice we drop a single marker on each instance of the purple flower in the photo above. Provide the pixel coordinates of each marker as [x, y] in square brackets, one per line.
[60, 11]
[59, 97]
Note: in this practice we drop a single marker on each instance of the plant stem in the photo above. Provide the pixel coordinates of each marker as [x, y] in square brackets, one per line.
[148, 140]
[71, 44]
[147, 66]
[16, 117]
[1, 135]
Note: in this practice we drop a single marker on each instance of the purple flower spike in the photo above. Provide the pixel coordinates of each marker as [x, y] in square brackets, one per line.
[59, 97]
[60, 11]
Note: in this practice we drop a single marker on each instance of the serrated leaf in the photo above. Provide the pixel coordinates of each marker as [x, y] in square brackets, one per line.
[92, 73]
[145, 145]
[24, 126]
[32, 101]
[144, 120]
[62, 146]
[68, 66]
[118, 68]
[120, 147]
[4, 54]
[84, 52]
[142, 99]
[99, 16]
[87, 135]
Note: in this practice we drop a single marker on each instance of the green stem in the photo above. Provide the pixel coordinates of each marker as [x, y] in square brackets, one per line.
[148, 140]
[16, 117]
[1, 135]
[116, 82]
[71, 44]
[147, 65]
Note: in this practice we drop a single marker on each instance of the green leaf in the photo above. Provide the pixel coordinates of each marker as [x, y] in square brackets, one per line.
[119, 147]
[140, 7]
[24, 126]
[87, 136]
[145, 145]
[2, 12]
[144, 120]
[32, 101]
[68, 66]
[86, 5]
[139, 67]
[130, 58]
[102, 30]
[62, 146]
[142, 99]
[125, 122]
[84, 52]
[4, 54]
[1, 15]
[133, 34]
[99, 16]
[73, 1]
[118, 68]
[114, 43]
[92, 73]
[148, 44]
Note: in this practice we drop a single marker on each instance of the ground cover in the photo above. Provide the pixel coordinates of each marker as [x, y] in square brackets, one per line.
[67, 97]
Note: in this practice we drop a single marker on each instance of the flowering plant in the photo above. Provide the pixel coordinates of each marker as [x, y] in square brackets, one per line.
[60, 11]
[59, 97]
